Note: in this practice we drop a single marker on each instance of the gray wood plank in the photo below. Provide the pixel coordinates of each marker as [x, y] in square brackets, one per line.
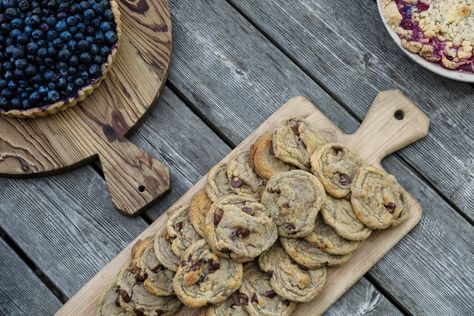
[65, 224]
[21, 291]
[238, 81]
[363, 299]
[171, 133]
[344, 46]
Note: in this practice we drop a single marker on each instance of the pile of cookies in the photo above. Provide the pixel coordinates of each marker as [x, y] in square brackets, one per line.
[258, 239]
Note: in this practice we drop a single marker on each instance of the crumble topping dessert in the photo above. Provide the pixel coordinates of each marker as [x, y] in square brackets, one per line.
[441, 31]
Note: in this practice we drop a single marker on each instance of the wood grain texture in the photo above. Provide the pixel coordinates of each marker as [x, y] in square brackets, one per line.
[98, 125]
[65, 225]
[242, 79]
[354, 58]
[339, 279]
[22, 292]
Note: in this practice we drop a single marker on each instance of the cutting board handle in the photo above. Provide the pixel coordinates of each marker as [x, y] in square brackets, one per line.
[134, 178]
[392, 122]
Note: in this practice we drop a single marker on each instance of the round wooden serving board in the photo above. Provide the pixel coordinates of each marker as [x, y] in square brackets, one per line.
[98, 125]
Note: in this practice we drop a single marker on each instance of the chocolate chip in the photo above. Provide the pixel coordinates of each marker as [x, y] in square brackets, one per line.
[198, 264]
[295, 129]
[344, 179]
[289, 226]
[235, 182]
[158, 268]
[201, 278]
[270, 294]
[285, 205]
[139, 312]
[390, 207]
[159, 312]
[124, 295]
[286, 302]
[337, 149]
[242, 232]
[179, 226]
[117, 302]
[254, 298]
[226, 251]
[248, 210]
[141, 278]
[244, 299]
[232, 306]
[214, 266]
[217, 216]
[277, 191]
[269, 273]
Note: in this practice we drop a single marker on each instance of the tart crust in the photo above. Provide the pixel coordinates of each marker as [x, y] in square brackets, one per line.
[62, 105]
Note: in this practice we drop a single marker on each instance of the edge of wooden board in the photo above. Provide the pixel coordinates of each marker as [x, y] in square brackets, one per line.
[339, 279]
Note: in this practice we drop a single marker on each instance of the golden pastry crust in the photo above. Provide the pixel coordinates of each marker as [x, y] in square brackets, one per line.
[62, 105]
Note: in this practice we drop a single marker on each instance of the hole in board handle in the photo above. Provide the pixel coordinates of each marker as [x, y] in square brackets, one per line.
[141, 188]
[399, 115]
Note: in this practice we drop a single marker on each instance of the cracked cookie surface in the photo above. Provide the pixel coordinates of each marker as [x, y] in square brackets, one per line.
[263, 158]
[257, 296]
[243, 179]
[134, 298]
[326, 239]
[218, 185]
[230, 307]
[338, 214]
[199, 207]
[290, 280]
[163, 252]
[310, 256]
[203, 277]
[336, 165]
[294, 141]
[376, 198]
[180, 230]
[240, 228]
[294, 199]
[157, 279]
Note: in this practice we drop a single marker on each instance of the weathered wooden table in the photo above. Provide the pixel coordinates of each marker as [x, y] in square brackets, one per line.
[234, 63]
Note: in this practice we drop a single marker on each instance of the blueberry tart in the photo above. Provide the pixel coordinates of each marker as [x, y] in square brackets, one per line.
[54, 53]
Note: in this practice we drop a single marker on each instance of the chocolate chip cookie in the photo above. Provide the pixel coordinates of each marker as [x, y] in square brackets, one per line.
[294, 199]
[294, 141]
[157, 279]
[405, 213]
[230, 307]
[243, 179]
[310, 256]
[336, 165]
[326, 239]
[240, 228]
[180, 230]
[288, 279]
[263, 158]
[257, 297]
[163, 252]
[134, 298]
[200, 205]
[376, 198]
[109, 305]
[203, 277]
[218, 185]
[338, 214]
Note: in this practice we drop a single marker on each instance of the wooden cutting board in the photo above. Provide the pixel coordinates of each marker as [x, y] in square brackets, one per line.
[97, 126]
[392, 122]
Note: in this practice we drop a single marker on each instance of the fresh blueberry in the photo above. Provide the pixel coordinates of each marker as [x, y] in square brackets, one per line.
[48, 75]
[83, 45]
[32, 47]
[64, 54]
[79, 82]
[8, 75]
[66, 36]
[52, 35]
[11, 13]
[3, 102]
[34, 21]
[17, 23]
[53, 96]
[108, 15]
[7, 93]
[84, 5]
[43, 90]
[97, 59]
[71, 20]
[85, 58]
[12, 85]
[42, 52]
[62, 83]
[3, 83]
[61, 16]
[57, 42]
[15, 102]
[70, 88]
[25, 104]
[18, 52]
[84, 75]
[61, 26]
[74, 61]
[111, 37]
[18, 73]
[89, 14]
[21, 63]
[105, 26]
[51, 86]
[22, 39]
[94, 70]
[51, 50]
[9, 3]
[30, 70]
[51, 20]
[99, 38]
[71, 69]
[36, 34]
